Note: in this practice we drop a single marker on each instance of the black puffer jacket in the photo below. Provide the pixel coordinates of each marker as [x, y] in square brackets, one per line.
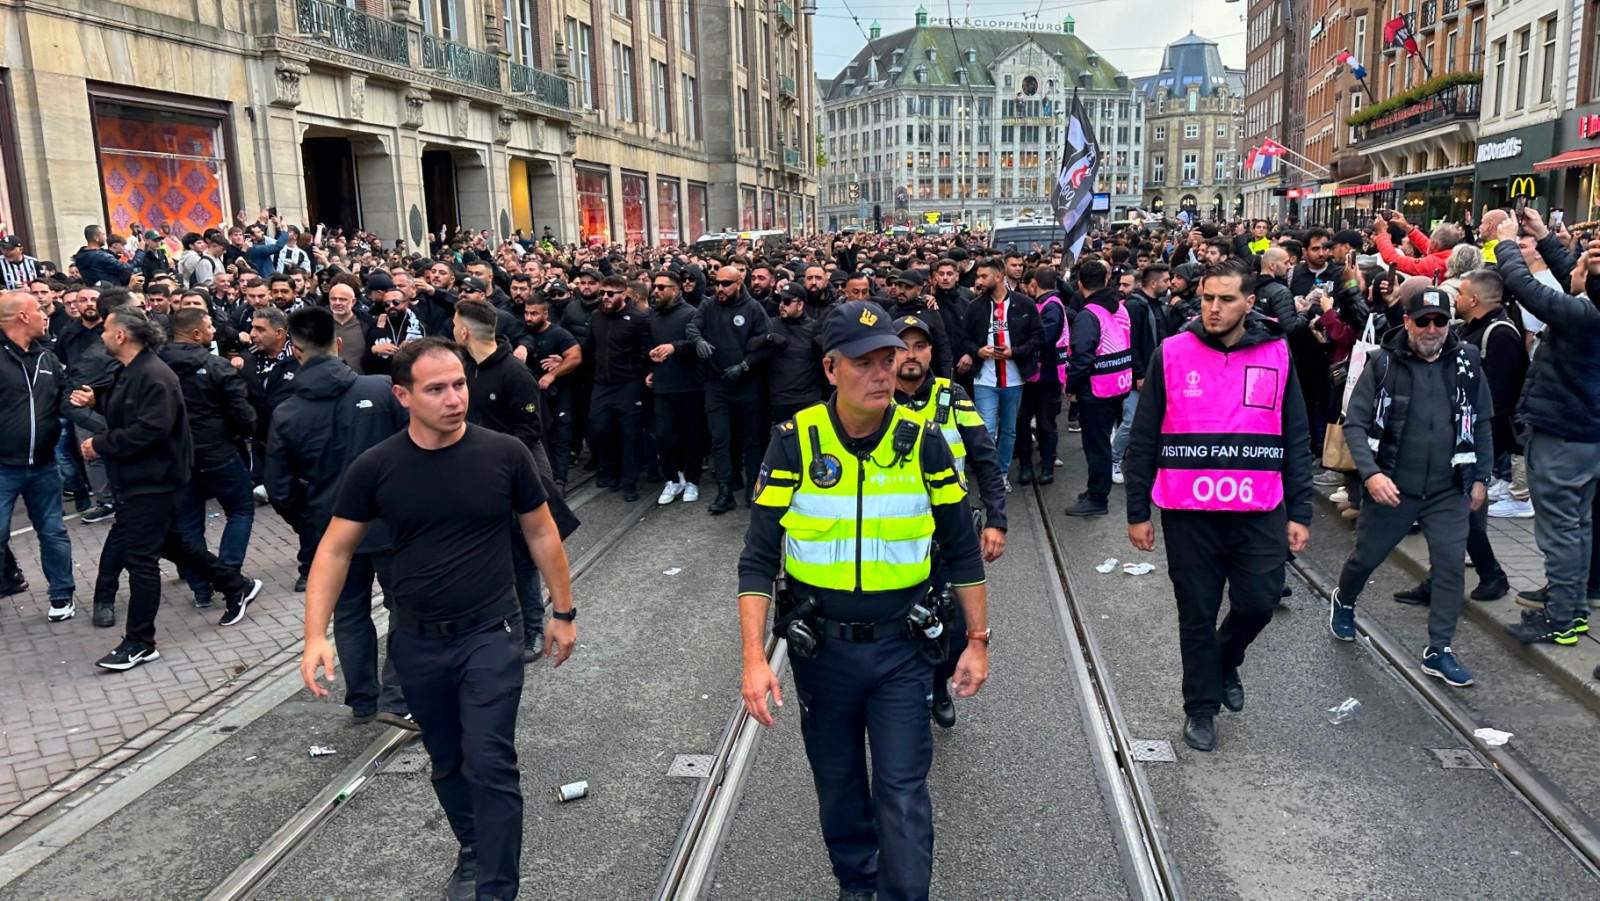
[221, 419]
[331, 417]
[1561, 395]
[1276, 301]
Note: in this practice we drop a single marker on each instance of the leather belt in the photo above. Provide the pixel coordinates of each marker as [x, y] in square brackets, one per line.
[504, 609]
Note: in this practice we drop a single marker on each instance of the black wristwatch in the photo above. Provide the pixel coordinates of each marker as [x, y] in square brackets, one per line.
[567, 617]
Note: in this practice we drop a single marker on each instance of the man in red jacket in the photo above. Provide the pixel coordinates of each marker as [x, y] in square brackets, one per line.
[1434, 250]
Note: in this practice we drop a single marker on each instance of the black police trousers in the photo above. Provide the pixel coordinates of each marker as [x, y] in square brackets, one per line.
[1205, 551]
[1036, 423]
[614, 414]
[735, 414]
[879, 830]
[464, 691]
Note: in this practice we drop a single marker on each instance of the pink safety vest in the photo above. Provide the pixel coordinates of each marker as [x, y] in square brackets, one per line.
[1222, 436]
[1111, 373]
[1063, 344]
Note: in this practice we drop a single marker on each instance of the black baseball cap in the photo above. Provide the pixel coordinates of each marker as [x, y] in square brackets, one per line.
[858, 327]
[10, 242]
[908, 277]
[1349, 237]
[792, 291]
[471, 284]
[906, 323]
[1427, 302]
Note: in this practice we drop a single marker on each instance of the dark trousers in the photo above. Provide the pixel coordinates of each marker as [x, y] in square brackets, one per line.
[558, 432]
[1443, 518]
[463, 691]
[140, 536]
[367, 690]
[1036, 423]
[879, 832]
[1098, 418]
[614, 430]
[735, 417]
[1205, 551]
[680, 424]
[530, 593]
[230, 484]
[580, 385]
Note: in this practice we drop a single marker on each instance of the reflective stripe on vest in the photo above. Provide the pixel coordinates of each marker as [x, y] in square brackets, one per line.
[1111, 373]
[1063, 348]
[941, 401]
[870, 528]
[1222, 436]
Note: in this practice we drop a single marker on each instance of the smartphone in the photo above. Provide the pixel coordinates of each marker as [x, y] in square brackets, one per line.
[1556, 216]
[1521, 206]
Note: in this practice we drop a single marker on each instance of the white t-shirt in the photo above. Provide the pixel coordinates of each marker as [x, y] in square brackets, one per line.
[990, 375]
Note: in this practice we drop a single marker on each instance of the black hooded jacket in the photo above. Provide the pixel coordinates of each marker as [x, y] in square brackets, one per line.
[331, 417]
[33, 398]
[221, 419]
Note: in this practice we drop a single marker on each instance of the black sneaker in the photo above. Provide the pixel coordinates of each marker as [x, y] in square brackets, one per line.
[238, 601]
[532, 647]
[630, 493]
[1232, 691]
[300, 585]
[12, 583]
[1421, 594]
[1491, 588]
[128, 655]
[1086, 507]
[203, 602]
[105, 615]
[1537, 627]
[1536, 598]
[61, 609]
[99, 514]
[398, 720]
[463, 883]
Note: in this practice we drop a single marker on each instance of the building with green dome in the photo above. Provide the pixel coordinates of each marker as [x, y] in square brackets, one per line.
[961, 122]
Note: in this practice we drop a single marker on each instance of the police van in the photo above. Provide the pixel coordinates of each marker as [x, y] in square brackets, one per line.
[1025, 235]
[716, 242]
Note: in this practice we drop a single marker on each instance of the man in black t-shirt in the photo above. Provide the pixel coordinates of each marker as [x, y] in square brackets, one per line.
[553, 355]
[444, 489]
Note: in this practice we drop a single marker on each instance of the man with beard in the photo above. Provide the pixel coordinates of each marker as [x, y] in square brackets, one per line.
[553, 355]
[575, 319]
[619, 343]
[946, 405]
[678, 383]
[1225, 379]
[1001, 341]
[88, 363]
[732, 336]
[906, 293]
[1320, 271]
[763, 281]
[1420, 432]
[819, 298]
[950, 299]
[794, 376]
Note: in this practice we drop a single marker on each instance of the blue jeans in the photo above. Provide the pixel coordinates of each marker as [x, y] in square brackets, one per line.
[39, 486]
[998, 407]
[230, 485]
[1119, 438]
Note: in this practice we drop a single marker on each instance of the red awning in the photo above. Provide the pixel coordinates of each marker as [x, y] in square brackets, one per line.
[1587, 157]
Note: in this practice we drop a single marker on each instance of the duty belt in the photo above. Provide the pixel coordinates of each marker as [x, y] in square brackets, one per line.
[504, 609]
[861, 632]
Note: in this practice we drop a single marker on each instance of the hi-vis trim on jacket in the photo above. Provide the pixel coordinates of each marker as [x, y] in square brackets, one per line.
[1111, 373]
[872, 529]
[949, 415]
[1222, 435]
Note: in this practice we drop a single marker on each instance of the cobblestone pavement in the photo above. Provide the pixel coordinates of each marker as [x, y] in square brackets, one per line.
[59, 713]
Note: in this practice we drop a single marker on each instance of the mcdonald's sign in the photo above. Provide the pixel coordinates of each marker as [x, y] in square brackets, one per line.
[1522, 186]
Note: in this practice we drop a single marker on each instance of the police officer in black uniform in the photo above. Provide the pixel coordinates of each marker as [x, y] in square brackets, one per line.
[856, 616]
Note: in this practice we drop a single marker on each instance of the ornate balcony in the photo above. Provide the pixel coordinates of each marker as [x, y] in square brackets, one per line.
[343, 28]
[785, 16]
[540, 86]
[791, 158]
[1456, 103]
[461, 62]
[786, 87]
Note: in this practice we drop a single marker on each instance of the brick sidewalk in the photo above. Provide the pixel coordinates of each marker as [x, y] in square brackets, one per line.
[59, 713]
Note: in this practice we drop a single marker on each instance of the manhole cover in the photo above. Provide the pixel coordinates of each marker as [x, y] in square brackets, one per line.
[1153, 750]
[1457, 759]
[406, 762]
[693, 766]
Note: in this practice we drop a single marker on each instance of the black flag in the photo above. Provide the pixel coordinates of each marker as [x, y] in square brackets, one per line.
[1073, 192]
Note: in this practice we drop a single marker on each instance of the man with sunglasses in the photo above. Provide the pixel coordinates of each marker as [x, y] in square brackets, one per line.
[619, 343]
[1420, 433]
[732, 337]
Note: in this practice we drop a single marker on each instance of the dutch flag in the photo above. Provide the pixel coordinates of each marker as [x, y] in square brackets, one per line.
[1259, 162]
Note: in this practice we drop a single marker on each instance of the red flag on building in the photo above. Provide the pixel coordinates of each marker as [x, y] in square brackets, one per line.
[1398, 32]
[1273, 148]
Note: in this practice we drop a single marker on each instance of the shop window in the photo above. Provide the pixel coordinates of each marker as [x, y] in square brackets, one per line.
[695, 221]
[667, 210]
[162, 164]
[594, 204]
[747, 208]
[635, 217]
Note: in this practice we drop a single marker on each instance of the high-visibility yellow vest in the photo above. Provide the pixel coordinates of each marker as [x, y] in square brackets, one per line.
[955, 414]
[854, 524]
[1258, 246]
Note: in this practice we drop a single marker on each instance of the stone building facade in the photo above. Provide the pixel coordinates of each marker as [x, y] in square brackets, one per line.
[1194, 109]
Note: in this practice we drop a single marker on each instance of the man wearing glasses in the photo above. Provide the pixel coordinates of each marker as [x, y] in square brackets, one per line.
[619, 343]
[678, 385]
[1420, 433]
[732, 338]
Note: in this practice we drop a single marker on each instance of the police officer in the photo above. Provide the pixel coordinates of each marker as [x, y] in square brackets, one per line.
[936, 400]
[1225, 380]
[457, 634]
[858, 466]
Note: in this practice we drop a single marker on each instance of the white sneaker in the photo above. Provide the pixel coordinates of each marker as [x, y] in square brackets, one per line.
[1116, 473]
[1511, 508]
[691, 492]
[1499, 490]
[260, 494]
[1339, 496]
[670, 493]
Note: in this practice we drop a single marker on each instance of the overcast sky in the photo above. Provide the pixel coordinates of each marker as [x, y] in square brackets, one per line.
[1130, 34]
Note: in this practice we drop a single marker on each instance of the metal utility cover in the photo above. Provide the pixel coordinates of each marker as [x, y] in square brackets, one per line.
[1152, 750]
[693, 766]
[1457, 759]
[406, 762]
